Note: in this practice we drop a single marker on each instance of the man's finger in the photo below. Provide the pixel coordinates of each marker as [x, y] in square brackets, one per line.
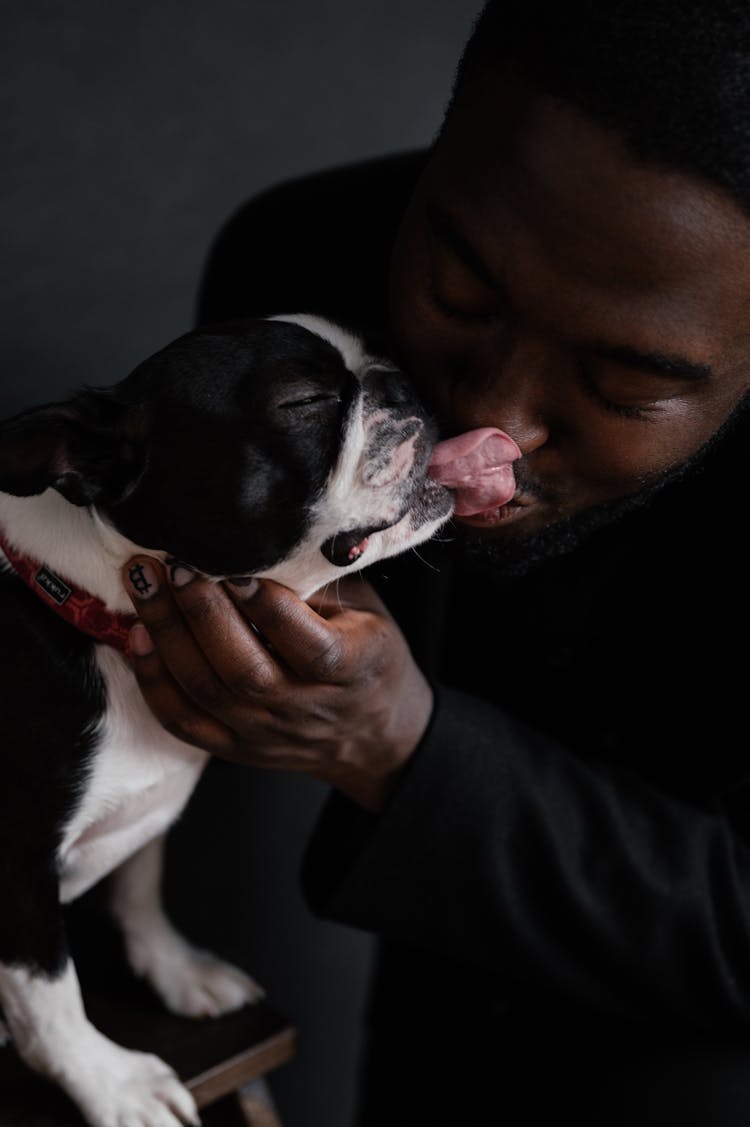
[170, 705]
[353, 592]
[207, 647]
[229, 642]
[313, 647]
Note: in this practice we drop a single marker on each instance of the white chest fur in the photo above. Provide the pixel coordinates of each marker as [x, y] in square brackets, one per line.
[139, 782]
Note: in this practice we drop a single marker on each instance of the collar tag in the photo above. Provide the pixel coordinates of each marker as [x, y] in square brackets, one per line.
[53, 586]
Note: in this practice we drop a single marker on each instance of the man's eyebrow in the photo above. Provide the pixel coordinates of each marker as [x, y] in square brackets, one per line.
[659, 363]
[444, 226]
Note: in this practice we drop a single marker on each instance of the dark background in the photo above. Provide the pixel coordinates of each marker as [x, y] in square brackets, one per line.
[130, 133]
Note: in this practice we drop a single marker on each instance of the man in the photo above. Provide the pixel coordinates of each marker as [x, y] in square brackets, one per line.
[540, 803]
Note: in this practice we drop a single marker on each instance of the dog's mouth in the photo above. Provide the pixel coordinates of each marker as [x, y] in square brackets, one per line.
[345, 548]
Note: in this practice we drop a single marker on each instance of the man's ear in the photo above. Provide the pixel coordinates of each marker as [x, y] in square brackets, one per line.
[88, 448]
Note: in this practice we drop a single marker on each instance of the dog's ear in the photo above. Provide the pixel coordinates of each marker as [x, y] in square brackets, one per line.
[89, 447]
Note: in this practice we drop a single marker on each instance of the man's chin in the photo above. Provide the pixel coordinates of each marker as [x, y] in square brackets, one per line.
[516, 549]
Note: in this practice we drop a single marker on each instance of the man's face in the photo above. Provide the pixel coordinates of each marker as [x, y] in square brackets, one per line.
[596, 308]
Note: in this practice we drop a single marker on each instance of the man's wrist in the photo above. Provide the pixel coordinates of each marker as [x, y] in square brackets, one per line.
[370, 775]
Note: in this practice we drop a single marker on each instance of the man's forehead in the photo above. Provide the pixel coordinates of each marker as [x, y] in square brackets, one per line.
[543, 192]
[534, 156]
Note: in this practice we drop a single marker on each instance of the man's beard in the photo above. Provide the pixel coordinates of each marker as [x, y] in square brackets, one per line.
[516, 557]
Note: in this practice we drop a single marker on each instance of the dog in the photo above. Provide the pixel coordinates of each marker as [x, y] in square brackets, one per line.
[273, 447]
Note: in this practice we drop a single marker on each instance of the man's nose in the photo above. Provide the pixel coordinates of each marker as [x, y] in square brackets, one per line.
[515, 391]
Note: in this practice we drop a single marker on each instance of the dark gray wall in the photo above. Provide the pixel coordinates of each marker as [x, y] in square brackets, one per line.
[130, 131]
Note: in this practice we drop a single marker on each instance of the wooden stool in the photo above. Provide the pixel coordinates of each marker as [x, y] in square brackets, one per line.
[221, 1060]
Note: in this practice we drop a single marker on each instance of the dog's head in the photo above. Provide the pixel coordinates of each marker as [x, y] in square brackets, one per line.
[273, 446]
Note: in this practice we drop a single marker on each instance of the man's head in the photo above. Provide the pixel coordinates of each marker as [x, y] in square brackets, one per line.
[575, 264]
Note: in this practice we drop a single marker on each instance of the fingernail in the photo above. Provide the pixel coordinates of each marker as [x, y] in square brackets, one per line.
[143, 580]
[139, 640]
[179, 573]
[245, 585]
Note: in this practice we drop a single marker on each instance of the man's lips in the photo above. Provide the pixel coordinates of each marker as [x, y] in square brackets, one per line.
[502, 514]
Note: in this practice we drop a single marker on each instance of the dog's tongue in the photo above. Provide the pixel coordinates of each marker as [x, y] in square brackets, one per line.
[477, 468]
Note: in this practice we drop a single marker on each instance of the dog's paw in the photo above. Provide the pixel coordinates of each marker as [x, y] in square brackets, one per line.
[198, 984]
[190, 981]
[122, 1088]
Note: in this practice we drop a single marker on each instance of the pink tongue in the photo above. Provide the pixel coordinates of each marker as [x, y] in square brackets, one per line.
[477, 467]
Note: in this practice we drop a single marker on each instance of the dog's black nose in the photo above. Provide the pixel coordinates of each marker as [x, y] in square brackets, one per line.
[391, 388]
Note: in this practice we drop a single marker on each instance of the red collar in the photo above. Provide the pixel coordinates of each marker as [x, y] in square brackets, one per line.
[84, 611]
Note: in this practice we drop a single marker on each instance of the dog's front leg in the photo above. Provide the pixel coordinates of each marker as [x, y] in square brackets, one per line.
[112, 1086]
[190, 981]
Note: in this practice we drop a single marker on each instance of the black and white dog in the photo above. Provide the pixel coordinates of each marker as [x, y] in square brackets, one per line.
[273, 447]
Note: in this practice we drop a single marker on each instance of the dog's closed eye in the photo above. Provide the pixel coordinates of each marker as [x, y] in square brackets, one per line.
[310, 400]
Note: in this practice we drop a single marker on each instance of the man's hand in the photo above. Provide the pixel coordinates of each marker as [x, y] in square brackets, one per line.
[256, 676]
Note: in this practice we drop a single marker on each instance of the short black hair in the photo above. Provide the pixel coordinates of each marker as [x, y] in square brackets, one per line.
[672, 77]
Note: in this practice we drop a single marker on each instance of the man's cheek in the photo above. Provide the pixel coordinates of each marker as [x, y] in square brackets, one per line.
[625, 463]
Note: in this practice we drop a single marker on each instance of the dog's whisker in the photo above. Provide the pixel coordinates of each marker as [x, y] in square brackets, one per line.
[427, 563]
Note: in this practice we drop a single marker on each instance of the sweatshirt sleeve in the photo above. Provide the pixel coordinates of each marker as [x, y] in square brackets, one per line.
[504, 850]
